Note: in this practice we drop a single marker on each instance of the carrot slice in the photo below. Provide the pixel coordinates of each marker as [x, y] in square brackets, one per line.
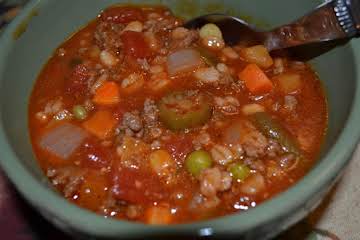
[255, 79]
[107, 94]
[101, 124]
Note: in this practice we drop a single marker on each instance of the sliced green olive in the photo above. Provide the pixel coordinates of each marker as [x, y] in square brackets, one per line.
[198, 161]
[239, 171]
[181, 110]
[272, 129]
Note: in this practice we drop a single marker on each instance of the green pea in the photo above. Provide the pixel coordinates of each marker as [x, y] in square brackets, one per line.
[198, 161]
[239, 171]
[79, 112]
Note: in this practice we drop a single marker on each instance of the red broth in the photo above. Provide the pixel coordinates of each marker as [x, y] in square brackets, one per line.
[137, 118]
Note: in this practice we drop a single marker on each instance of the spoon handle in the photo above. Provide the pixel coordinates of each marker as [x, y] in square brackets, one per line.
[348, 15]
[336, 19]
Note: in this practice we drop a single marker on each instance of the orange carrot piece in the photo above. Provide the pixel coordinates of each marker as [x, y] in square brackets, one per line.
[101, 124]
[255, 79]
[107, 94]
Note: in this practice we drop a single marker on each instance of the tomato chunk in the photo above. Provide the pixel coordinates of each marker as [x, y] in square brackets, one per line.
[94, 155]
[137, 186]
[122, 15]
[76, 85]
[135, 44]
[93, 190]
[179, 147]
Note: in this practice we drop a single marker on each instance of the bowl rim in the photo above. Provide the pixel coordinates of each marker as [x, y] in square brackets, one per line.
[64, 213]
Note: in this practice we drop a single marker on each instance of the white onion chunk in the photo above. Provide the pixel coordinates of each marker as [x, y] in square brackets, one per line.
[63, 140]
[183, 60]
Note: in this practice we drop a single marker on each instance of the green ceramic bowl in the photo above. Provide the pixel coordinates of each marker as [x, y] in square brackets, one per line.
[30, 40]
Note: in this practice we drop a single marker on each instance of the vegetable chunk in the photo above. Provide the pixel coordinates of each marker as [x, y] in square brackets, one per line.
[62, 141]
[270, 128]
[182, 61]
[258, 55]
[183, 110]
[256, 80]
[101, 124]
[107, 94]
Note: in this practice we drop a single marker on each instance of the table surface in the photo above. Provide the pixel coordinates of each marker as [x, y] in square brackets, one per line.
[338, 217]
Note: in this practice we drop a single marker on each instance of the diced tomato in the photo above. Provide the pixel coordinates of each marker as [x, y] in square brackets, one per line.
[77, 84]
[93, 191]
[137, 186]
[179, 147]
[119, 112]
[131, 63]
[94, 155]
[135, 44]
[122, 15]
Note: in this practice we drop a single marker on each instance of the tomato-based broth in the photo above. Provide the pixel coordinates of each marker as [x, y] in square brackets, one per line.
[137, 118]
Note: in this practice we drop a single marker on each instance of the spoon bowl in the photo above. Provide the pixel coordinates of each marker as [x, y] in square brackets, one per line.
[332, 21]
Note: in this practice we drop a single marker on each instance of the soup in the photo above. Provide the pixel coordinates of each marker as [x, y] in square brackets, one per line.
[137, 118]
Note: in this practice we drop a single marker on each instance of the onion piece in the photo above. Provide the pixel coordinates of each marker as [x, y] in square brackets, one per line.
[63, 140]
[183, 60]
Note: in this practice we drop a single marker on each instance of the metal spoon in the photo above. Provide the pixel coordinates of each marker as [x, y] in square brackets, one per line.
[333, 20]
